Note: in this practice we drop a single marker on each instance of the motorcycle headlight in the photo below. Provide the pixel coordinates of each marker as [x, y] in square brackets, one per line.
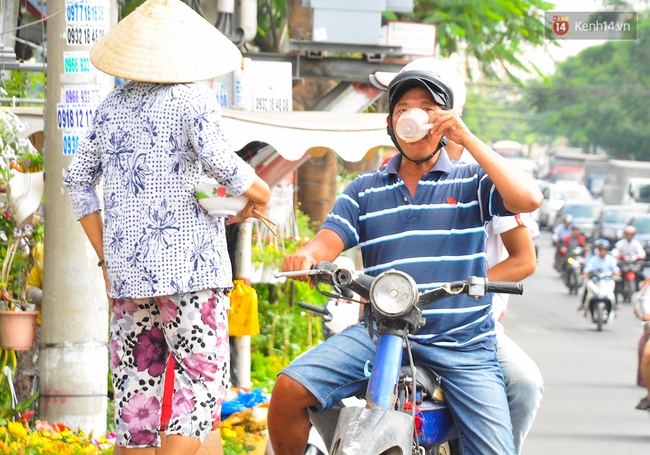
[570, 261]
[393, 293]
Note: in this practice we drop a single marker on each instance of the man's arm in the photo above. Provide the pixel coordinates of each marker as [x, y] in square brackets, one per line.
[520, 262]
[519, 191]
[640, 251]
[325, 246]
[556, 233]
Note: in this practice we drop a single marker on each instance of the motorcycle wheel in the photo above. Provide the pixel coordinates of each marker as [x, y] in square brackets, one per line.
[449, 448]
[572, 283]
[628, 289]
[600, 317]
[313, 450]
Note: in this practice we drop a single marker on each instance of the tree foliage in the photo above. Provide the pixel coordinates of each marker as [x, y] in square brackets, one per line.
[600, 97]
[271, 24]
[493, 31]
[497, 112]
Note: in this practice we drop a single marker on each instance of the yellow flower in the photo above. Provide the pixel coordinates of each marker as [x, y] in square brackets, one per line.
[17, 429]
[227, 433]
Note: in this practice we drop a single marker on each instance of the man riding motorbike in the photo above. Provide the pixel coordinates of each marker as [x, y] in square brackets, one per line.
[568, 243]
[425, 216]
[629, 253]
[600, 261]
[561, 231]
[629, 247]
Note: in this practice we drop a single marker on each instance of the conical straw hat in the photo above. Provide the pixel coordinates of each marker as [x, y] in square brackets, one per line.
[165, 41]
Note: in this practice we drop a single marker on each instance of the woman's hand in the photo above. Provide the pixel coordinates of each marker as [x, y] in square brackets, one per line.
[252, 210]
[107, 283]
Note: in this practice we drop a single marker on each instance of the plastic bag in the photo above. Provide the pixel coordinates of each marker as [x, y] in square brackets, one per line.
[243, 401]
[243, 318]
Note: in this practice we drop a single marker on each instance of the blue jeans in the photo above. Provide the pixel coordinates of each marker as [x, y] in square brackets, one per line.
[524, 386]
[471, 380]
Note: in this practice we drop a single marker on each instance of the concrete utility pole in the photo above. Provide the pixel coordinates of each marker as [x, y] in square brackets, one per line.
[8, 21]
[74, 354]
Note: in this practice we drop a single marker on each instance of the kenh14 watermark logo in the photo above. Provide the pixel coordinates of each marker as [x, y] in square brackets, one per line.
[600, 25]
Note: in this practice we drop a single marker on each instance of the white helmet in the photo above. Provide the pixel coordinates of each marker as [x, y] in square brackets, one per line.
[345, 262]
[441, 79]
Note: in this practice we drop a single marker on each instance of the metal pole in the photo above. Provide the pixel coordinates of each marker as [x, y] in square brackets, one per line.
[74, 355]
[243, 272]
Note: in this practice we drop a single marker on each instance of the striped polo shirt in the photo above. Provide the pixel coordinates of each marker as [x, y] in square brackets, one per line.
[436, 237]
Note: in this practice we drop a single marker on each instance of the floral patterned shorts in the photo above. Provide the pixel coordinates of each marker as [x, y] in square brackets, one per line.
[193, 327]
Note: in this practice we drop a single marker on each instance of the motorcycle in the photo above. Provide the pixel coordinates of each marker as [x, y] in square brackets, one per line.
[600, 297]
[632, 275]
[335, 316]
[405, 409]
[572, 272]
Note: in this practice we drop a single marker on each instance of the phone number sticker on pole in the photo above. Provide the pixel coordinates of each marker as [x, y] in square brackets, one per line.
[86, 21]
[71, 139]
[82, 94]
[74, 115]
[77, 62]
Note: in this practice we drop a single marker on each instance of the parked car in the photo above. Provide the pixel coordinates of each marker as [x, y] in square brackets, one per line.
[642, 224]
[566, 174]
[584, 212]
[611, 221]
[558, 193]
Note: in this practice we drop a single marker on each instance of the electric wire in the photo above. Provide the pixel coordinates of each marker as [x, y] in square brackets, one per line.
[33, 23]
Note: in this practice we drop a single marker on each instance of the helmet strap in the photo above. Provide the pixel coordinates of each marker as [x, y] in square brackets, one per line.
[441, 144]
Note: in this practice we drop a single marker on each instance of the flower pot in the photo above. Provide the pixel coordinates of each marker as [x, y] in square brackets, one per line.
[17, 329]
[267, 274]
[257, 269]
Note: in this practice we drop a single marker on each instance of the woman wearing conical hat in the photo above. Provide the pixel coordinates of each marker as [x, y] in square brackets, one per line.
[165, 261]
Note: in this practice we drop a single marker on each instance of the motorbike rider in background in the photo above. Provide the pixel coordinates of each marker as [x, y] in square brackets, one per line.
[600, 261]
[642, 311]
[405, 218]
[568, 243]
[628, 251]
[629, 247]
[561, 231]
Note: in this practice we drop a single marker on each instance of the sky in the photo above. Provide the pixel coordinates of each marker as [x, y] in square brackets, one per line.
[545, 59]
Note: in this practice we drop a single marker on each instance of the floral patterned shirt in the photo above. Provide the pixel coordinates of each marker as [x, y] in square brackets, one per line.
[152, 143]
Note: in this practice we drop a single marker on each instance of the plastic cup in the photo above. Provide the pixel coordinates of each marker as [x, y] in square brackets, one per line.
[413, 125]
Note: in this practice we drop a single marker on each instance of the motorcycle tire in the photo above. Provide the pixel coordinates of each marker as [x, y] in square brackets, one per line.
[600, 317]
[572, 283]
[628, 289]
[449, 448]
[313, 450]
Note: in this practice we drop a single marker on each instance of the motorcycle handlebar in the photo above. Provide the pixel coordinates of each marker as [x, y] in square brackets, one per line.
[314, 308]
[505, 287]
[361, 283]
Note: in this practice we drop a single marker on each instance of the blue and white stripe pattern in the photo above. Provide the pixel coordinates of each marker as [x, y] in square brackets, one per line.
[436, 237]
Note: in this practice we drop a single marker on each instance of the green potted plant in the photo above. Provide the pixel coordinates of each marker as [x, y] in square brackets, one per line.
[10, 408]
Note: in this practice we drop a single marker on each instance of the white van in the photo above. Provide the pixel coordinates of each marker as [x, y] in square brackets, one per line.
[637, 192]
